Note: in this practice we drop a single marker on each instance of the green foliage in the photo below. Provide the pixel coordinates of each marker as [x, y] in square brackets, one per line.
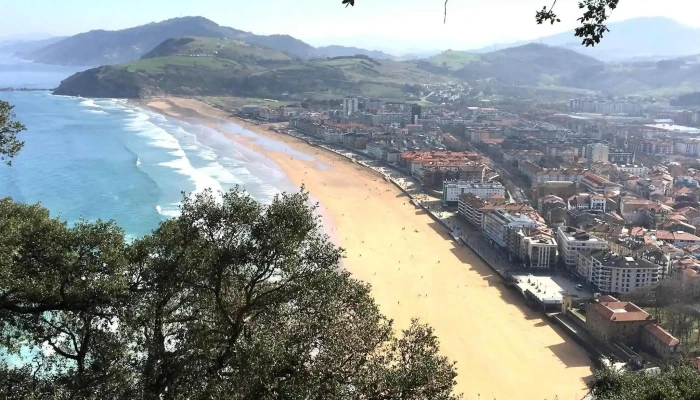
[10, 145]
[231, 300]
[675, 382]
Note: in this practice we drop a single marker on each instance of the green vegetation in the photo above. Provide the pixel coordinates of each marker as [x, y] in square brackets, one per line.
[9, 128]
[231, 300]
[219, 48]
[454, 60]
[674, 382]
[162, 63]
[233, 103]
[215, 67]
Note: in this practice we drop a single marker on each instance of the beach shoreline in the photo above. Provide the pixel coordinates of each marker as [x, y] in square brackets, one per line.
[502, 348]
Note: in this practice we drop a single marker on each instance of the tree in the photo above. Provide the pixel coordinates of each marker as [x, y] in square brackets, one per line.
[674, 382]
[231, 300]
[592, 28]
[9, 128]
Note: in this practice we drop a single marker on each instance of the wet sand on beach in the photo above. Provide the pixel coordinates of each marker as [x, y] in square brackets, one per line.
[503, 349]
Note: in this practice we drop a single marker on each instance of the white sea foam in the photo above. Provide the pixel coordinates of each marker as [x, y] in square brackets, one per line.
[90, 103]
[96, 111]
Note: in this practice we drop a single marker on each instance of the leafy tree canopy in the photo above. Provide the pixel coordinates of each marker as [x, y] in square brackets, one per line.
[231, 300]
[674, 382]
[9, 128]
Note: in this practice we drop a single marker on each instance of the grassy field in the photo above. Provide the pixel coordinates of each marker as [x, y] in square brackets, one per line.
[454, 60]
[222, 48]
[233, 103]
[154, 64]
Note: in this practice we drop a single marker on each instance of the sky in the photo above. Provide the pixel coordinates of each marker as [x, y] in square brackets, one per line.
[395, 25]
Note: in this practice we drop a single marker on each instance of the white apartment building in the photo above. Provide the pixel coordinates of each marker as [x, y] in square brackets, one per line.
[614, 273]
[638, 170]
[496, 224]
[451, 190]
[587, 201]
[540, 251]
[597, 152]
[571, 240]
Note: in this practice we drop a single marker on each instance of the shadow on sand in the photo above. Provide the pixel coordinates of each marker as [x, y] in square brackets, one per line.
[566, 352]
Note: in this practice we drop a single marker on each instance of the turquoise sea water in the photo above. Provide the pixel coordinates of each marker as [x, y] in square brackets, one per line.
[109, 159]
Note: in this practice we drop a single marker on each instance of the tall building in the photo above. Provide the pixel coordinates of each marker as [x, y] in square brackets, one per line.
[416, 113]
[596, 152]
[350, 105]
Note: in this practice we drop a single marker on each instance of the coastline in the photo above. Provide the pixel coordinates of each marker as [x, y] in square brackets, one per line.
[417, 271]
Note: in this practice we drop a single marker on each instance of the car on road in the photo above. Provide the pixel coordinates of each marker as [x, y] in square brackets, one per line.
[579, 287]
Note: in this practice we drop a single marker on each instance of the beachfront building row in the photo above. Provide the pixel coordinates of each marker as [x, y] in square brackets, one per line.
[452, 190]
[472, 208]
[433, 168]
[516, 228]
[498, 224]
[434, 174]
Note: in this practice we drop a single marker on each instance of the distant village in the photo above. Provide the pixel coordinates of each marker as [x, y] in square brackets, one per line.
[604, 195]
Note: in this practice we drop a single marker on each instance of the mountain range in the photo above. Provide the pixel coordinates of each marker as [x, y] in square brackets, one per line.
[100, 47]
[212, 66]
[638, 39]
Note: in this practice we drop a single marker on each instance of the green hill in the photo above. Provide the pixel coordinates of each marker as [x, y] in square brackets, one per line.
[212, 66]
[530, 64]
[231, 67]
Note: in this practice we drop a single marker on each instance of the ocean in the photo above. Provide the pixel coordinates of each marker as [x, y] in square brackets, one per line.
[110, 159]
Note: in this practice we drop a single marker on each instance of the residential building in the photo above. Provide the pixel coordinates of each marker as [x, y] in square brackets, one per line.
[469, 206]
[678, 239]
[614, 273]
[587, 201]
[539, 250]
[637, 170]
[553, 209]
[451, 190]
[496, 225]
[597, 152]
[596, 184]
[350, 105]
[621, 157]
[479, 136]
[571, 240]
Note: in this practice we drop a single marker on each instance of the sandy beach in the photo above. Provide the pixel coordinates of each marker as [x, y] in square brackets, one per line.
[503, 349]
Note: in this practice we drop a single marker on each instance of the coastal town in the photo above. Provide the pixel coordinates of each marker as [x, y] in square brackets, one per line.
[585, 213]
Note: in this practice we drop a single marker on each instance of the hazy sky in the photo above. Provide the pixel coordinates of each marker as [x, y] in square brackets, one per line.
[379, 24]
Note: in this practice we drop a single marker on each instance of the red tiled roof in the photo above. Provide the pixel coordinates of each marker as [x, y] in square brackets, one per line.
[661, 334]
[620, 311]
